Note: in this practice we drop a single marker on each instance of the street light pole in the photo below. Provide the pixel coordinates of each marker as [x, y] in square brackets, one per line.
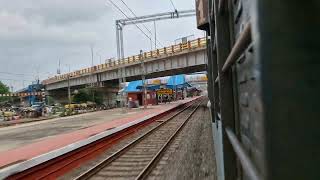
[91, 47]
[92, 64]
[175, 87]
[11, 94]
[69, 90]
[155, 35]
[143, 81]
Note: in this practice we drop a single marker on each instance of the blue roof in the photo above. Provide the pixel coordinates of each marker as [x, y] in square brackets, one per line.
[178, 81]
[150, 87]
[132, 86]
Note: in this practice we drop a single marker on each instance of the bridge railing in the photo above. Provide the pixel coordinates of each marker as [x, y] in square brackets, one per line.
[170, 50]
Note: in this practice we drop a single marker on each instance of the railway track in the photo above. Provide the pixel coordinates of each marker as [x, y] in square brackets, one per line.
[137, 159]
[70, 165]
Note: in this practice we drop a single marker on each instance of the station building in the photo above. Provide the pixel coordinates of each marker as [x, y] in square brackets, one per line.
[178, 85]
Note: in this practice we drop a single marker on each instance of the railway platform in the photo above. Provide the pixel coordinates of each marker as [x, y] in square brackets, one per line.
[38, 149]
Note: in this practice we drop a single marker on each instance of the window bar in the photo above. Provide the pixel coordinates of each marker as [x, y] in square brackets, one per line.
[241, 44]
[246, 163]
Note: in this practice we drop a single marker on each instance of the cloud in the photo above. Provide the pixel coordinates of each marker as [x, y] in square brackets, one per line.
[57, 11]
[50, 22]
[34, 34]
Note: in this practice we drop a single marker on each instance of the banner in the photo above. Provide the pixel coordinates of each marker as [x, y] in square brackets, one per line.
[164, 91]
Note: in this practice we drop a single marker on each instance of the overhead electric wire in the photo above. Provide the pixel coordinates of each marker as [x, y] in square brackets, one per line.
[174, 7]
[129, 18]
[5, 79]
[142, 24]
[18, 74]
[135, 15]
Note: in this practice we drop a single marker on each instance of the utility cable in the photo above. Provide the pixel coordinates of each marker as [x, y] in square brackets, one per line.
[5, 79]
[129, 18]
[174, 7]
[142, 24]
[18, 74]
[135, 15]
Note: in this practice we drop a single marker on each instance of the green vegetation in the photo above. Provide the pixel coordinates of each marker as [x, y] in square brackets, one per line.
[4, 89]
[98, 99]
[81, 97]
[50, 100]
[85, 95]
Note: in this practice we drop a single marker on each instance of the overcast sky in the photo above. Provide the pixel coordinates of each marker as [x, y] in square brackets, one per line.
[35, 34]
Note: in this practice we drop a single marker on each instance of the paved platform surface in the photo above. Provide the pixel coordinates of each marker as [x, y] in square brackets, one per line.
[26, 141]
[24, 120]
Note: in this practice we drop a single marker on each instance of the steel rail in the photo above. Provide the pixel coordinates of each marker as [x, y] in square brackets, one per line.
[87, 152]
[92, 171]
[148, 169]
[246, 163]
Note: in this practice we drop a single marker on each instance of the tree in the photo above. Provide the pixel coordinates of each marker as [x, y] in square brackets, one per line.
[50, 100]
[4, 89]
[98, 98]
[85, 95]
[81, 97]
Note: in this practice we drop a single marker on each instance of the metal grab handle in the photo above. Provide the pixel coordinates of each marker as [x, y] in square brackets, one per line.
[241, 44]
[246, 163]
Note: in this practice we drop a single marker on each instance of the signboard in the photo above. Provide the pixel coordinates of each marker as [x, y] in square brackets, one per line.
[196, 78]
[164, 91]
[156, 81]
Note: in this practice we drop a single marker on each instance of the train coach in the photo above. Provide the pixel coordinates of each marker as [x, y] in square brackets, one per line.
[263, 86]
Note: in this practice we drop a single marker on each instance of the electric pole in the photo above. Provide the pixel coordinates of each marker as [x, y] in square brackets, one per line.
[120, 23]
[92, 64]
[69, 90]
[11, 94]
[91, 47]
[155, 35]
[143, 70]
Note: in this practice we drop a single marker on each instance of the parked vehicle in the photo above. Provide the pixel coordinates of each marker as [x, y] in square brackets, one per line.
[73, 106]
[8, 115]
[37, 108]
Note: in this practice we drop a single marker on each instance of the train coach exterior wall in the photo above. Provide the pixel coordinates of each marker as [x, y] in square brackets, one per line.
[242, 114]
[250, 127]
[273, 127]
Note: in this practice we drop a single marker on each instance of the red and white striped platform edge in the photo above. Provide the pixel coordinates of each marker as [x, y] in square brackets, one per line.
[25, 157]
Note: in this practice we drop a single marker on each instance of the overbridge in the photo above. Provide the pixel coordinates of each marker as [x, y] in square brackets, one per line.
[185, 57]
